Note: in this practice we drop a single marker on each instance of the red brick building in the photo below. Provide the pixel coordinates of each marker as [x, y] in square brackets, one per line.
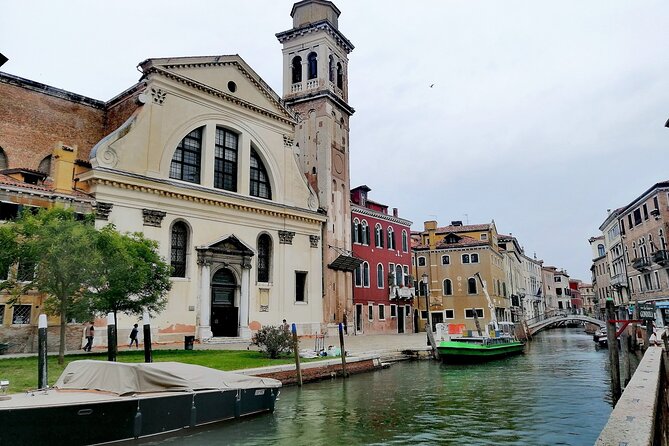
[383, 289]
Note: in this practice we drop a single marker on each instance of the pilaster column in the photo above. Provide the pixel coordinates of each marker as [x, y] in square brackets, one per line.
[245, 300]
[204, 330]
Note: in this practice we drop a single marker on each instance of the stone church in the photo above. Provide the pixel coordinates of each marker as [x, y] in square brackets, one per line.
[246, 191]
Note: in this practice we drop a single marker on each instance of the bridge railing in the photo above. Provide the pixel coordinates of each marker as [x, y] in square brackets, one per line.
[546, 315]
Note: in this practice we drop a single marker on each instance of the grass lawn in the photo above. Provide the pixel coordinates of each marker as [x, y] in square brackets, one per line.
[22, 372]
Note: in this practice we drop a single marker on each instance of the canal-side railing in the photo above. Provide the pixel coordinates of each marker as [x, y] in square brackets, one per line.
[641, 415]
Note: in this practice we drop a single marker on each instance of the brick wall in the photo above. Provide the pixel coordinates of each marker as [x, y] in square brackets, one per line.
[288, 377]
[24, 339]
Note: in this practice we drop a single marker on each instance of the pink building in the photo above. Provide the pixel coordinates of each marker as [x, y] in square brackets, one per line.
[383, 289]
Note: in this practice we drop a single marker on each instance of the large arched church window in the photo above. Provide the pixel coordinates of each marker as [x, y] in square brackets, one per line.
[225, 160]
[178, 249]
[312, 60]
[259, 185]
[264, 257]
[296, 68]
[186, 160]
[3, 159]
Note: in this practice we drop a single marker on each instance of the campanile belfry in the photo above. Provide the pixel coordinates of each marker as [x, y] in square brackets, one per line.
[315, 86]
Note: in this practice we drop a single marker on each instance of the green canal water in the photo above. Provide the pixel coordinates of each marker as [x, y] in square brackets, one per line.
[555, 394]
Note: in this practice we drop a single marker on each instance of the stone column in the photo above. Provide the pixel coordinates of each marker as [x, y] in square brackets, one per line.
[204, 330]
[245, 300]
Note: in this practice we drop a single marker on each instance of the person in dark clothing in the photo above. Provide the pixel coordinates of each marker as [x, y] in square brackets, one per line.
[89, 333]
[133, 337]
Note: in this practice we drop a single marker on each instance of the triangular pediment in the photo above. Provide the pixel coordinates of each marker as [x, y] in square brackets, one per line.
[228, 244]
[227, 77]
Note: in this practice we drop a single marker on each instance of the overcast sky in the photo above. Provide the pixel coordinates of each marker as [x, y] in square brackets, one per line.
[543, 114]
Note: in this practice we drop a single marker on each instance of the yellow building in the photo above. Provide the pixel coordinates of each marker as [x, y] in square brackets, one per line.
[448, 258]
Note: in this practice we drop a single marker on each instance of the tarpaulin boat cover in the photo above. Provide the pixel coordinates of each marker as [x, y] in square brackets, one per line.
[128, 378]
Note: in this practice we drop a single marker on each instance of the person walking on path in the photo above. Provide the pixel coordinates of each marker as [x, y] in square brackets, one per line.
[133, 337]
[89, 332]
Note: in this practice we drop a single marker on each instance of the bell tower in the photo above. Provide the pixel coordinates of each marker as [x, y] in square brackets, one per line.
[315, 86]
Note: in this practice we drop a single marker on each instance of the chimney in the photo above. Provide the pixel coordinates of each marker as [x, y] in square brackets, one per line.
[394, 212]
[63, 171]
[456, 223]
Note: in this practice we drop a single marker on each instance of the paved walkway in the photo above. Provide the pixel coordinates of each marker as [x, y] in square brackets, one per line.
[356, 345]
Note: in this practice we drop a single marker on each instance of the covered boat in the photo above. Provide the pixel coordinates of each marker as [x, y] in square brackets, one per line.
[96, 402]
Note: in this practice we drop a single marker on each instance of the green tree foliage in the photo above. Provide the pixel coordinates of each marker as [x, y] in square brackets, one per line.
[55, 254]
[273, 341]
[133, 276]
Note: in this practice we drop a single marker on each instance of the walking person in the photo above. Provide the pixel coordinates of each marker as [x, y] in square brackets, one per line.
[133, 337]
[89, 332]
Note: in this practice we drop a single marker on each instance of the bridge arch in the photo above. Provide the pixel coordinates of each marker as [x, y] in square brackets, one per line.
[545, 322]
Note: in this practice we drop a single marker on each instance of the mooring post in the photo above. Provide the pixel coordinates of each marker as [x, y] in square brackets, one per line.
[148, 354]
[296, 347]
[635, 316]
[111, 337]
[343, 350]
[613, 350]
[42, 366]
[625, 374]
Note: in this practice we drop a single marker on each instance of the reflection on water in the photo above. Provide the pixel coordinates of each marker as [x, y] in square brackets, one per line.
[555, 394]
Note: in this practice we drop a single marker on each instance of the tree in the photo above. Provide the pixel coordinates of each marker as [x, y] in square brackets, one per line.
[133, 276]
[273, 341]
[55, 254]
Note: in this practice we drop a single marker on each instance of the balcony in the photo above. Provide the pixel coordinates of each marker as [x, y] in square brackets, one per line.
[618, 281]
[641, 263]
[661, 257]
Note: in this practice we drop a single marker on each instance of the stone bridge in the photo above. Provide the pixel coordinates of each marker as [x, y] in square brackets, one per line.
[545, 322]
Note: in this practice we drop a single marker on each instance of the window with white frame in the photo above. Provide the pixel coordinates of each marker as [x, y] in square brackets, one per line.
[445, 260]
[484, 236]
[469, 313]
[407, 310]
[474, 258]
[380, 281]
[365, 233]
[471, 286]
[448, 287]
[358, 276]
[378, 236]
[370, 312]
[657, 281]
[355, 231]
[405, 241]
[391, 238]
[421, 261]
[406, 275]
[393, 310]
[399, 275]
[449, 314]
[365, 274]
[382, 312]
[465, 258]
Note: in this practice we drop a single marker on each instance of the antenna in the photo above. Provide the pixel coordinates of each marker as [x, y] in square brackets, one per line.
[466, 218]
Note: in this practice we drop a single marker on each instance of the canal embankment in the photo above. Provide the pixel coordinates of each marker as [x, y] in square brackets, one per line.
[641, 416]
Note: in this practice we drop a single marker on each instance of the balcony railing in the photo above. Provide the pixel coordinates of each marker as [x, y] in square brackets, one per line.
[661, 257]
[618, 280]
[641, 263]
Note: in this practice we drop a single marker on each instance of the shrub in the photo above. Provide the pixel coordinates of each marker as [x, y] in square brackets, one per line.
[273, 341]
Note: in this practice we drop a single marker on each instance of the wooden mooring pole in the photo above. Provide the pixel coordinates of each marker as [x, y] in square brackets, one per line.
[343, 350]
[296, 347]
[613, 350]
[42, 363]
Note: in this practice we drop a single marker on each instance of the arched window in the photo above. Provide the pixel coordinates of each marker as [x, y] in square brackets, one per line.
[378, 236]
[225, 160]
[499, 288]
[355, 230]
[264, 257]
[364, 233]
[365, 274]
[465, 258]
[445, 260]
[260, 186]
[179, 249]
[379, 276]
[340, 76]
[45, 165]
[399, 275]
[448, 287]
[3, 159]
[391, 238]
[471, 286]
[600, 250]
[405, 241]
[475, 258]
[331, 69]
[312, 60]
[185, 164]
[296, 68]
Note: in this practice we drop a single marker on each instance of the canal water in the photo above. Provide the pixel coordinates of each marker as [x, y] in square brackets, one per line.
[556, 394]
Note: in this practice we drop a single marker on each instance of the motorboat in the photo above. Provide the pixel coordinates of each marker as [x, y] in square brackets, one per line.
[98, 402]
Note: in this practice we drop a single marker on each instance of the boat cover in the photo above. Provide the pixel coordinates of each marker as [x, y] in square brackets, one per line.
[128, 378]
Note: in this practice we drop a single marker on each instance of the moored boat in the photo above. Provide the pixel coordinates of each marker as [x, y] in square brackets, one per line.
[96, 402]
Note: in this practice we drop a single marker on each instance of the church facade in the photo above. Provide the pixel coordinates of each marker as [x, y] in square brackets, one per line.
[245, 191]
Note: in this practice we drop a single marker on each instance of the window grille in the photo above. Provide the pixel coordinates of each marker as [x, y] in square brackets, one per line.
[21, 315]
[179, 248]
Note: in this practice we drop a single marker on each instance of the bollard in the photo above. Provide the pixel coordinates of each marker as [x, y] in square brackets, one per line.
[42, 372]
[343, 350]
[111, 337]
[296, 347]
[148, 353]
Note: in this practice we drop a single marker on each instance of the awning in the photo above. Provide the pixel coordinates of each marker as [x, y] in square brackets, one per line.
[345, 263]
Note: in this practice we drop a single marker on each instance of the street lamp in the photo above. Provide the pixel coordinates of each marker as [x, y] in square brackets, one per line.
[424, 279]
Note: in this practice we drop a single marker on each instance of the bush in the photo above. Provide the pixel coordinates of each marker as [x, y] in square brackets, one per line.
[273, 341]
